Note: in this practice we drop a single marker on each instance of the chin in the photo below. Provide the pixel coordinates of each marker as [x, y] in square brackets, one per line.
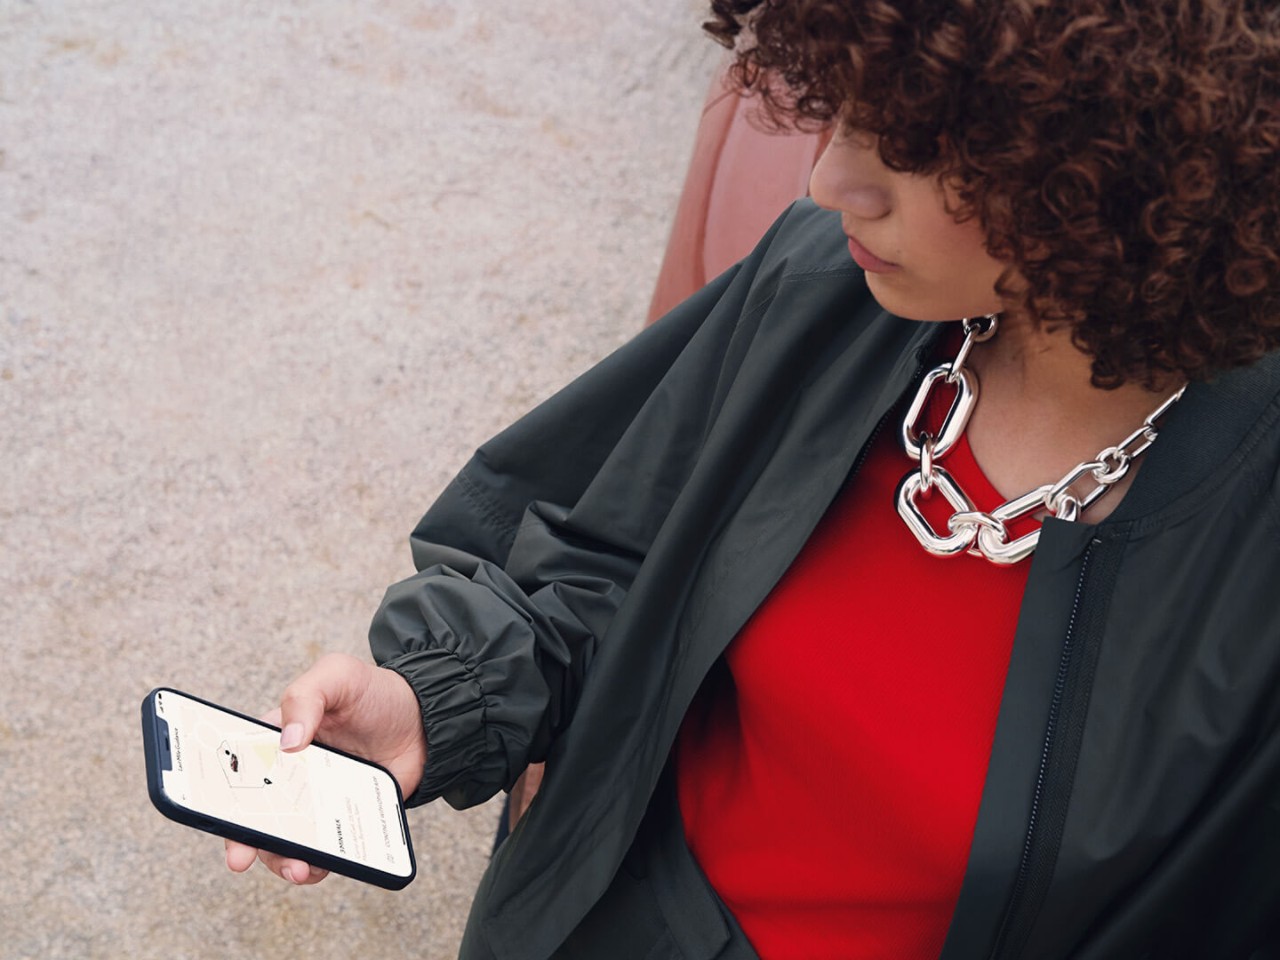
[901, 304]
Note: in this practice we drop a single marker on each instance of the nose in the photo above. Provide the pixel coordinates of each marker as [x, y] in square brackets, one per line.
[844, 179]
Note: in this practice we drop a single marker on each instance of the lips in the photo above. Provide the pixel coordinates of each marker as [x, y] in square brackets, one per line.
[868, 260]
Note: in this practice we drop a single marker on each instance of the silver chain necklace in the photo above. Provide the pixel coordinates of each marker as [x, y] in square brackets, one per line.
[970, 529]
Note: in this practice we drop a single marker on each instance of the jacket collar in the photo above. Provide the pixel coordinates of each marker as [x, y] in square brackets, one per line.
[1203, 432]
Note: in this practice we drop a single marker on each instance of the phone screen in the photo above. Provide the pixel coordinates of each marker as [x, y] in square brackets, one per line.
[224, 766]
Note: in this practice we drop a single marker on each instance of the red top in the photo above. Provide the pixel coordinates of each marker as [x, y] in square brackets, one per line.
[829, 781]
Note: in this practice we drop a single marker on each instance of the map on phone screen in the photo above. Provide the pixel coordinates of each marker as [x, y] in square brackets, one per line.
[233, 769]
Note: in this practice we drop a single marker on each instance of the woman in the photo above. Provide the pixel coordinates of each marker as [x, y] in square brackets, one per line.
[831, 652]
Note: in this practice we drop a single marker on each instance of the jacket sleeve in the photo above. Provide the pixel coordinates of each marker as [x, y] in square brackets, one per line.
[530, 551]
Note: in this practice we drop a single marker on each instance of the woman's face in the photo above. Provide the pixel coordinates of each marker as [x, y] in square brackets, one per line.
[920, 263]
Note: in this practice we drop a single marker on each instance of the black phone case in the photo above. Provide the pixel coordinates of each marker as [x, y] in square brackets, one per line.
[234, 831]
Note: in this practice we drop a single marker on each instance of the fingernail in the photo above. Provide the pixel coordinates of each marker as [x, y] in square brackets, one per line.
[290, 736]
[288, 875]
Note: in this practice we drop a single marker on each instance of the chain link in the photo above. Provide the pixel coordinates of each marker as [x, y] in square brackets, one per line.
[987, 534]
[926, 462]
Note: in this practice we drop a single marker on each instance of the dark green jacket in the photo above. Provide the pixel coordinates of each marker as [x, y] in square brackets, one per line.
[590, 564]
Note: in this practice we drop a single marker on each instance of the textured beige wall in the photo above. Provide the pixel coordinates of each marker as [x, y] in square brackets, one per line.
[268, 272]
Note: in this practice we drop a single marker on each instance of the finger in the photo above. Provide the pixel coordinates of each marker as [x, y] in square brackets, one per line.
[326, 687]
[297, 872]
[239, 856]
[309, 874]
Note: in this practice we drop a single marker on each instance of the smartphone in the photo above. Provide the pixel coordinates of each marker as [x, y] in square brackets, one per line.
[223, 772]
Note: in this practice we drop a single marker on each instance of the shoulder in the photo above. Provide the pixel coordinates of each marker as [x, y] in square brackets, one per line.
[1222, 440]
[807, 240]
[800, 274]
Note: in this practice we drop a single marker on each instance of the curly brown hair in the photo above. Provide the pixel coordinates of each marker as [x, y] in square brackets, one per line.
[1123, 156]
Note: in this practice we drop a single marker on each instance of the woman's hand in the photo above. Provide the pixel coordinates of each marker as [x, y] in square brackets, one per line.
[354, 706]
[523, 792]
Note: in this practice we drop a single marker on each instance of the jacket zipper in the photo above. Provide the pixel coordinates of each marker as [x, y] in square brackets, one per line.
[1029, 888]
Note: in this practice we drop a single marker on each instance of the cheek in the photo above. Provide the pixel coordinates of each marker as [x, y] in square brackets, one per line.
[950, 275]
[957, 254]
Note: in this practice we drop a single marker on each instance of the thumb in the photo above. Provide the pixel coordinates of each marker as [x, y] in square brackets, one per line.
[301, 710]
[323, 688]
[295, 735]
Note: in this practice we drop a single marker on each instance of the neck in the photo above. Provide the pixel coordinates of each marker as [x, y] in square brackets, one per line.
[1038, 414]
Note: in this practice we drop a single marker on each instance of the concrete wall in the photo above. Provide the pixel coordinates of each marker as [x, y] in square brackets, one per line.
[268, 273]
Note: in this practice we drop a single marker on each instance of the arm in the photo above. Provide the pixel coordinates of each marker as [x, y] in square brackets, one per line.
[530, 551]
[496, 658]
[488, 641]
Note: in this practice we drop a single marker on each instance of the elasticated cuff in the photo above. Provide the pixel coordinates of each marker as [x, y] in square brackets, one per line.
[461, 766]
